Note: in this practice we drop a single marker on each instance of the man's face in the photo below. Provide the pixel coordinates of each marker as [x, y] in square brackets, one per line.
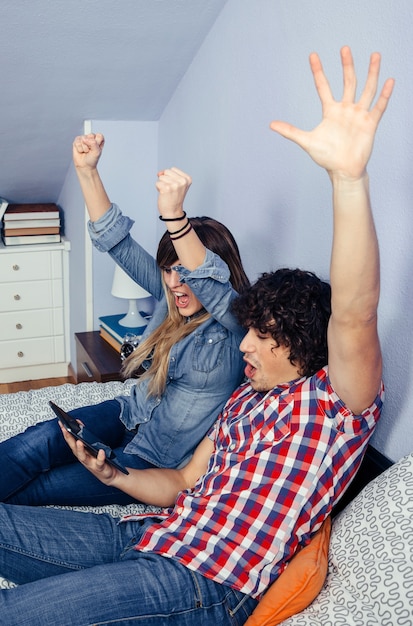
[268, 365]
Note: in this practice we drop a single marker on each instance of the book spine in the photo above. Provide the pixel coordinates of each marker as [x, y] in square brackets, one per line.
[47, 230]
[112, 324]
[32, 216]
[112, 332]
[28, 211]
[109, 339]
[32, 223]
[30, 239]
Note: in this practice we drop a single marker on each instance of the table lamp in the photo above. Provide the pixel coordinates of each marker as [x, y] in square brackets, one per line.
[124, 287]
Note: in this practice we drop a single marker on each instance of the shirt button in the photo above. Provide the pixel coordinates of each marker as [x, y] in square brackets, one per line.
[172, 358]
[180, 510]
[209, 340]
[216, 468]
[232, 446]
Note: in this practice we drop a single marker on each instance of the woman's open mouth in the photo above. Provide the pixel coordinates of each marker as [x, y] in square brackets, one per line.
[181, 299]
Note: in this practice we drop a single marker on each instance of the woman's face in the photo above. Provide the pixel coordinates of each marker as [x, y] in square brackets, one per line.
[186, 302]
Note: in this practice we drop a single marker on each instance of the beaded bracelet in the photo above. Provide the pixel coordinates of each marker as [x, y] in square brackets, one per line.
[183, 234]
[175, 232]
[172, 219]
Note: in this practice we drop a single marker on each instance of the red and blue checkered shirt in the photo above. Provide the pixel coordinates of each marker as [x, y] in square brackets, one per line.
[281, 460]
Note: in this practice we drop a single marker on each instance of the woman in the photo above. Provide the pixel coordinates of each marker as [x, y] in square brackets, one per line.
[189, 350]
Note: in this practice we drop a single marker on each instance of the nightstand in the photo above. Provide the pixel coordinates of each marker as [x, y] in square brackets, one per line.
[96, 360]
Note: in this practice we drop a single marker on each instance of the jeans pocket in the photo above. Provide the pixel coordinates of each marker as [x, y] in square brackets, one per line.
[239, 606]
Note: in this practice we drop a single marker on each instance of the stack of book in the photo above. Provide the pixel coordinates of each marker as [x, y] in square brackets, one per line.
[31, 223]
[112, 332]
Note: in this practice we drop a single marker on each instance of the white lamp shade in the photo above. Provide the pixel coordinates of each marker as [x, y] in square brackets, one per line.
[124, 287]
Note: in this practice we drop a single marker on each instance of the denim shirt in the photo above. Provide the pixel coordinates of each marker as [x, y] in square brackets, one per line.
[204, 368]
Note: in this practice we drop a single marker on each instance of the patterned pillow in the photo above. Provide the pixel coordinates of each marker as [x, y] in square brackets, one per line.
[370, 577]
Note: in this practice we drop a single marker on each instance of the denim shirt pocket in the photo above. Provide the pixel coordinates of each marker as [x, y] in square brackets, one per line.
[208, 349]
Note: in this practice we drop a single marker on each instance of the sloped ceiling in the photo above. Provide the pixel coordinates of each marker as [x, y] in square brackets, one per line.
[64, 61]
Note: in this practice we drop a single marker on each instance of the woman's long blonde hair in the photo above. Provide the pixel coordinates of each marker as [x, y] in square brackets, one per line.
[217, 238]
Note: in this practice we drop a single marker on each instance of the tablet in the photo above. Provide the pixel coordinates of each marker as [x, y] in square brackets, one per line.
[90, 440]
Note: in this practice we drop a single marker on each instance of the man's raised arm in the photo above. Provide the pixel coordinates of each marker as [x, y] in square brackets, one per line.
[342, 144]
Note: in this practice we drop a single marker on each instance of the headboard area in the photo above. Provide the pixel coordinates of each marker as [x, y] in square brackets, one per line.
[373, 464]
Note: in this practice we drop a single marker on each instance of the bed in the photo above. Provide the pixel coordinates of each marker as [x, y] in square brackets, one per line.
[368, 576]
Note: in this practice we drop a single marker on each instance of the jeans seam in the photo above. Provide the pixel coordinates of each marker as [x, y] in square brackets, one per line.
[239, 606]
[36, 557]
[198, 600]
[143, 618]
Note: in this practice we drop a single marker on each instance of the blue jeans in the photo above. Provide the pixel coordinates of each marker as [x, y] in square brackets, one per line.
[38, 467]
[79, 569]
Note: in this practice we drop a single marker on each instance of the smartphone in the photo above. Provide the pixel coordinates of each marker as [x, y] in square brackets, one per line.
[89, 439]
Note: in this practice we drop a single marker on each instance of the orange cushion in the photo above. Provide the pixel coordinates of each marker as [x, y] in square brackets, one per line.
[298, 585]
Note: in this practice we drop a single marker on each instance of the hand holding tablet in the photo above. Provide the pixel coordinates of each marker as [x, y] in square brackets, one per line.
[89, 439]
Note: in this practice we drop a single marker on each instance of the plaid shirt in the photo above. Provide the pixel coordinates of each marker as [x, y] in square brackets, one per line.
[281, 460]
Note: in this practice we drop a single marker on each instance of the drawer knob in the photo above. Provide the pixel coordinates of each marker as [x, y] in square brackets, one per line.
[16, 267]
[19, 326]
[17, 297]
[20, 354]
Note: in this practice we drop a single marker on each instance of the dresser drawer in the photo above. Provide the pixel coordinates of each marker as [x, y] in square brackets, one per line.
[20, 353]
[38, 294]
[20, 266]
[24, 324]
[34, 311]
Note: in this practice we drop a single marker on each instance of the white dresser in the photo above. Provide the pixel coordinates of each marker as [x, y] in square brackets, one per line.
[34, 311]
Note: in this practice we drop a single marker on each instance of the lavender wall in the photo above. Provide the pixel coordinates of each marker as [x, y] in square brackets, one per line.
[252, 68]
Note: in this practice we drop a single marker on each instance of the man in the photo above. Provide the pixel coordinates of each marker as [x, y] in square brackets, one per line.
[282, 452]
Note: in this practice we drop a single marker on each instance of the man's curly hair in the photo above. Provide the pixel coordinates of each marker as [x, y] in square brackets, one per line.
[294, 306]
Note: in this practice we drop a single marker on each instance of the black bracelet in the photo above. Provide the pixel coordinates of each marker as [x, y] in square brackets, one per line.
[172, 219]
[175, 232]
[183, 234]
